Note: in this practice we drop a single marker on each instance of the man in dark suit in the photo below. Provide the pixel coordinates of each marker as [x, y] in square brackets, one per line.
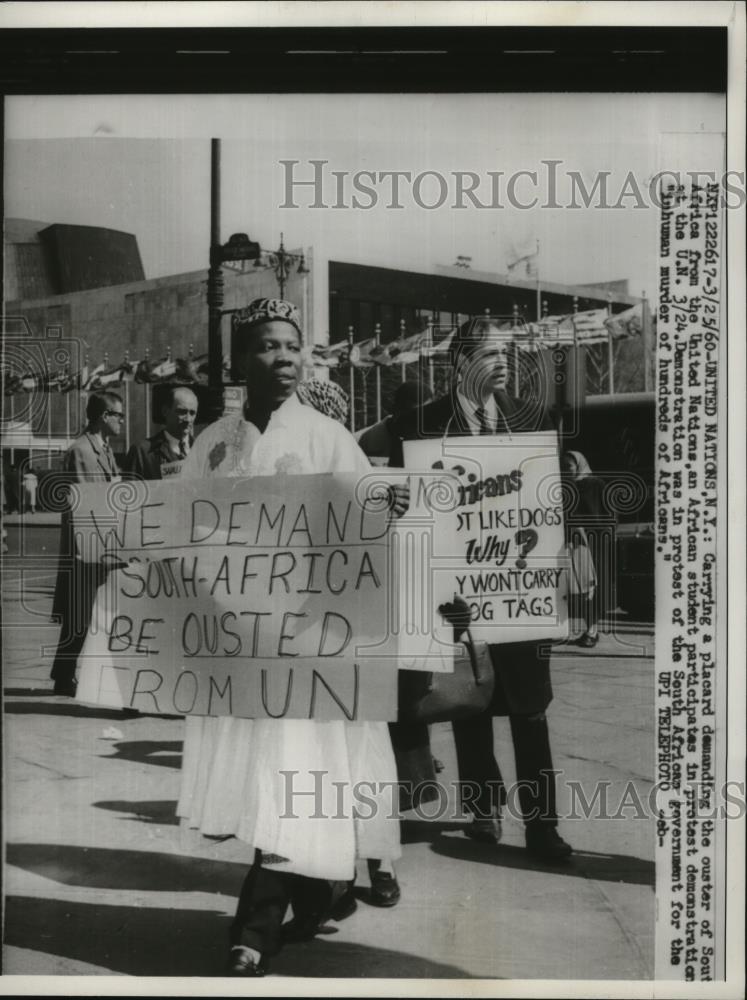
[478, 403]
[162, 454]
[89, 459]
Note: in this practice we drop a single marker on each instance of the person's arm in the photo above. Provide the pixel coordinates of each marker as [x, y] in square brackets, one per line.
[349, 457]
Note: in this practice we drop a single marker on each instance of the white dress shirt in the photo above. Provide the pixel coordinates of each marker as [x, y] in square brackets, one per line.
[469, 411]
[175, 444]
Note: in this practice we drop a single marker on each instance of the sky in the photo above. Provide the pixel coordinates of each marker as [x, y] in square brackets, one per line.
[142, 164]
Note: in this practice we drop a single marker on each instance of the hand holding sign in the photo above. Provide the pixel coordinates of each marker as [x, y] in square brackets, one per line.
[457, 614]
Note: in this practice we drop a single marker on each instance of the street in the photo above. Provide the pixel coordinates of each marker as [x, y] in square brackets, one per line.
[101, 879]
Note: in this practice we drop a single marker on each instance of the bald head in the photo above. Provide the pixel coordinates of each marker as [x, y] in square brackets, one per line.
[179, 413]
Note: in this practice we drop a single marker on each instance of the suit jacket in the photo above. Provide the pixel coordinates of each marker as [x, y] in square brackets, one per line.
[522, 669]
[444, 415]
[85, 461]
[145, 458]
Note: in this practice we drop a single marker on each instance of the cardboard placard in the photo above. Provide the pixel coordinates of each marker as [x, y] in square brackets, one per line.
[490, 516]
[265, 597]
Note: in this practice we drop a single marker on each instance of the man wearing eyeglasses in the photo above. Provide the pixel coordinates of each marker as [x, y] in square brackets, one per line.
[90, 459]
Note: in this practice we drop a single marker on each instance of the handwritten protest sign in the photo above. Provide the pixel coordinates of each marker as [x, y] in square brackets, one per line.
[495, 535]
[256, 598]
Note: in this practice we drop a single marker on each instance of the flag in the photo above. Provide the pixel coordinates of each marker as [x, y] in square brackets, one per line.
[144, 371]
[158, 371]
[91, 381]
[80, 378]
[552, 330]
[112, 376]
[360, 354]
[188, 370]
[591, 322]
[331, 355]
[69, 381]
[163, 369]
[522, 258]
[440, 348]
[201, 368]
[12, 383]
[406, 350]
[626, 324]
[55, 382]
[127, 371]
[379, 354]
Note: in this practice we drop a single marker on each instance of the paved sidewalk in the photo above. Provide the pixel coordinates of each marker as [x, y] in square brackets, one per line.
[100, 879]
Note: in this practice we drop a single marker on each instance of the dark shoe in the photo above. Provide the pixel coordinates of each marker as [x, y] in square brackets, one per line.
[300, 929]
[588, 641]
[241, 964]
[438, 765]
[67, 688]
[547, 844]
[345, 906]
[385, 890]
[487, 831]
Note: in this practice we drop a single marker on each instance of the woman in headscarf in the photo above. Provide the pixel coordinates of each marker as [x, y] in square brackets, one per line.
[584, 523]
[231, 772]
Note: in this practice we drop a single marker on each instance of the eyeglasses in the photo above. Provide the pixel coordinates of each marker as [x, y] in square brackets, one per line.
[115, 413]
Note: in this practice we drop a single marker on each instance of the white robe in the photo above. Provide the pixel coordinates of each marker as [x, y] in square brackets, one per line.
[232, 780]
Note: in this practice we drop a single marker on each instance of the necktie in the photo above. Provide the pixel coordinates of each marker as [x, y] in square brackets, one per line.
[109, 454]
[182, 449]
[481, 416]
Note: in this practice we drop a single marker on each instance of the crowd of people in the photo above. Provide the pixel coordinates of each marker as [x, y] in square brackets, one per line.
[231, 766]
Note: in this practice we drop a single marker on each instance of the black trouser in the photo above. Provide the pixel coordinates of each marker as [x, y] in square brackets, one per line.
[484, 791]
[66, 657]
[264, 900]
[75, 596]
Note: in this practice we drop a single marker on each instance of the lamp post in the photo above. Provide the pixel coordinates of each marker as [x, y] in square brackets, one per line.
[239, 247]
[281, 262]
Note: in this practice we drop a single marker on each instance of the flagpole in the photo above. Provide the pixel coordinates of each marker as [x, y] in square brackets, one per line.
[431, 373]
[377, 341]
[515, 349]
[646, 338]
[352, 380]
[403, 366]
[49, 416]
[12, 430]
[539, 296]
[610, 350]
[67, 418]
[127, 405]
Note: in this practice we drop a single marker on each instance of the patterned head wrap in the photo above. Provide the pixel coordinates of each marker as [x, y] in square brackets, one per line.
[327, 397]
[266, 310]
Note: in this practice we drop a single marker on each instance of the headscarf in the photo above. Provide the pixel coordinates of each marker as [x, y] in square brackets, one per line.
[583, 469]
[327, 397]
